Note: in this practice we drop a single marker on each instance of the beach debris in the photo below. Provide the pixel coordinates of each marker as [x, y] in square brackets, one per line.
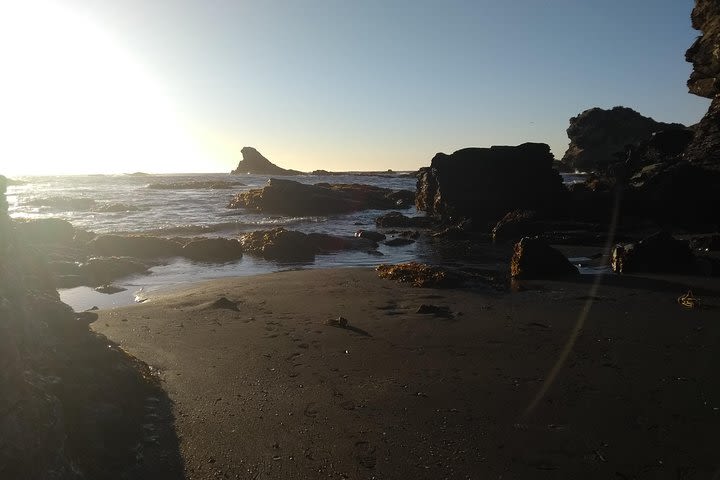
[109, 289]
[419, 275]
[338, 322]
[689, 300]
[436, 310]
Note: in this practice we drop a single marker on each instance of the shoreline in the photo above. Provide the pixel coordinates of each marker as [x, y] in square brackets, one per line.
[263, 385]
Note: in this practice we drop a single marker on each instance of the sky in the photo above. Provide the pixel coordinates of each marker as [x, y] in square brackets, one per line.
[114, 86]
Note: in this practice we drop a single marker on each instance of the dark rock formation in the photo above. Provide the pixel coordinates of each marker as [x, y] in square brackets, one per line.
[534, 258]
[71, 403]
[292, 246]
[704, 150]
[213, 249]
[398, 220]
[516, 225]
[45, 231]
[102, 270]
[398, 242]
[658, 253]
[294, 198]
[134, 246]
[254, 163]
[370, 235]
[703, 53]
[600, 137]
[680, 194]
[483, 184]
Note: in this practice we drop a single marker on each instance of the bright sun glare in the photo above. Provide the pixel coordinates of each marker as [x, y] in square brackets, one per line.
[74, 101]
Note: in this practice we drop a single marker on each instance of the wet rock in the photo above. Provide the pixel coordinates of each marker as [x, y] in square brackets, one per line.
[46, 231]
[419, 275]
[134, 246]
[708, 243]
[599, 137]
[534, 258]
[398, 242]
[398, 220]
[103, 270]
[658, 253]
[370, 235]
[109, 289]
[483, 184]
[279, 244]
[213, 249]
[288, 197]
[254, 163]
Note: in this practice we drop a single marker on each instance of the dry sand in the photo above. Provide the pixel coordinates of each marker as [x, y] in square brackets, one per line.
[269, 390]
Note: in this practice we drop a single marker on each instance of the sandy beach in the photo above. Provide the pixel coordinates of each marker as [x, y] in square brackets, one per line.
[264, 385]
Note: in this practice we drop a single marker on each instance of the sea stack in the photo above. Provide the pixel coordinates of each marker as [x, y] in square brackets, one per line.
[254, 163]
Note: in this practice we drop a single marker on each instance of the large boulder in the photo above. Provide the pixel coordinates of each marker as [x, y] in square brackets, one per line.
[516, 225]
[213, 249]
[483, 184]
[45, 231]
[600, 137]
[134, 246]
[398, 220]
[533, 258]
[658, 253]
[254, 163]
[287, 197]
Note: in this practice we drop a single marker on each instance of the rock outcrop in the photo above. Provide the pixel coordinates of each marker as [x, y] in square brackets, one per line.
[483, 184]
[289, 197]
[292, 246]
[658, 253]
[599, 138]
[72, 404]
[533, 258]
[254, 163]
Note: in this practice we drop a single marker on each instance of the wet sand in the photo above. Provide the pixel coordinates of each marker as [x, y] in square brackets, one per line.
[264, 387]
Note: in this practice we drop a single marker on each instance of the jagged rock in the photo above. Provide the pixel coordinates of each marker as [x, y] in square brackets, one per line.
[134, 246]
[658, 253]
[254, 163]
[704, 81]
[398, 220]
[294, 198]
[703, 53]
[483, 184]
[515, 225]
[534, 258]
[704, 150]
[600, 137]
[213, 249]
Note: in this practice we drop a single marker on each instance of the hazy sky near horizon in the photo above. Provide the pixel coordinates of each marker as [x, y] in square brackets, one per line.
[110, 86]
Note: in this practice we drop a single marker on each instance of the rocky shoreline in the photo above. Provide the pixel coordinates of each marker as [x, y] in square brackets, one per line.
[74, 404]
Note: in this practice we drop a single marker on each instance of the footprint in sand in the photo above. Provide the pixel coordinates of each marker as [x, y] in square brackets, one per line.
[365, 454]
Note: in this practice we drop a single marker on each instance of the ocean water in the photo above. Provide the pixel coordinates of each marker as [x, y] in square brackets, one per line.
[200, 212]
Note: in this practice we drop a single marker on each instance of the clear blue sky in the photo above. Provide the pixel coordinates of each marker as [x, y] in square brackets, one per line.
[369, 85]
